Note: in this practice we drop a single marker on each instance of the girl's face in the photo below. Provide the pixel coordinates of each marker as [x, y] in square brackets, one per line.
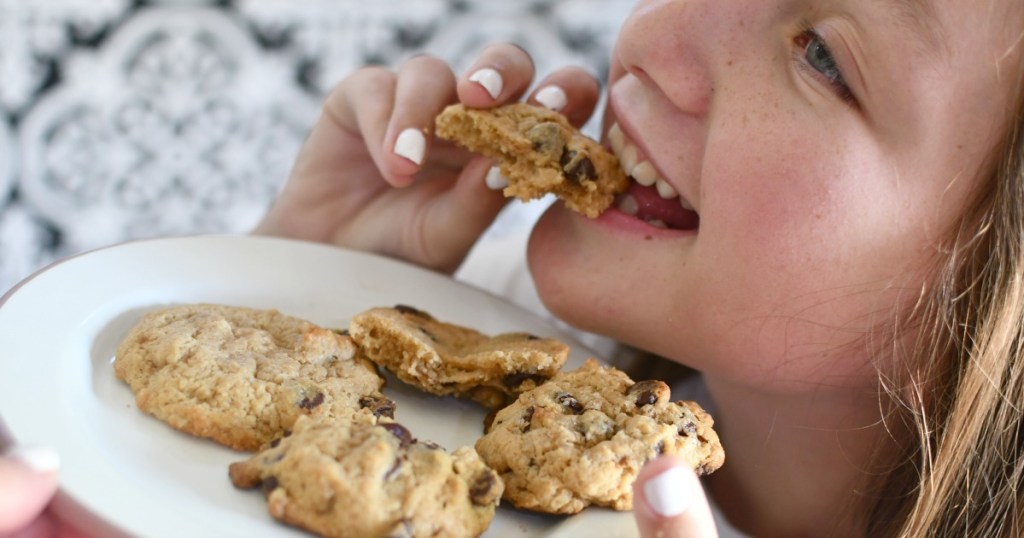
[825, 148]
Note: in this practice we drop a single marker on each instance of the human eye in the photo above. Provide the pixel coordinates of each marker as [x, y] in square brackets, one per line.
[814, 55]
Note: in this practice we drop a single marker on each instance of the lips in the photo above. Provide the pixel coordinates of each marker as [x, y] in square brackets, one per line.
[650, 198]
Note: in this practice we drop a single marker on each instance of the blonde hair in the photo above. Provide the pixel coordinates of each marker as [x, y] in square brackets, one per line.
[964, 398]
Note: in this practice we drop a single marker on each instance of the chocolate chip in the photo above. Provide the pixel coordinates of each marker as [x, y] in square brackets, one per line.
[646, 392]
[528, 418]
[532, 337]
[515, 380]
[378, 405]
[405, 309]
[688, 428]
[342, 332]
[482, 491]
[399, 431]
[309, 404]
[578, 167]
[274, 442]
[567, 400]
[269, 484]
[659, 448]
[547, 139]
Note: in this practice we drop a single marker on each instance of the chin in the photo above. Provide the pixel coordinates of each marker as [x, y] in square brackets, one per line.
[579, 281]
[558, 257]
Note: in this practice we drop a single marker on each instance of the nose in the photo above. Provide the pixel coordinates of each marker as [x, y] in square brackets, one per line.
[665, 44]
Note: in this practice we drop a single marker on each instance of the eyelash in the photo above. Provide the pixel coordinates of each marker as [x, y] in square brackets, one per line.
[807, 38]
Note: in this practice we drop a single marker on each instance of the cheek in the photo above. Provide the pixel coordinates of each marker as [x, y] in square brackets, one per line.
[805, 250]
[798, 202]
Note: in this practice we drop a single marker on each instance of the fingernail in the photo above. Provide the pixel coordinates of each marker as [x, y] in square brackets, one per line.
[39, 459]
[551, 97]
[666, 493]
[495, 179]
[490, 80]
[411, 144]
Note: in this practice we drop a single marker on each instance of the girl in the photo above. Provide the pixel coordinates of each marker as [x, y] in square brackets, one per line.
[835, 241]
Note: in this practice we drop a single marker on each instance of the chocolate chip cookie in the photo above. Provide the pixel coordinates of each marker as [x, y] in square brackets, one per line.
[539, 152]
[451, 360]
[581, 438]
[242, 376]
[365, 481]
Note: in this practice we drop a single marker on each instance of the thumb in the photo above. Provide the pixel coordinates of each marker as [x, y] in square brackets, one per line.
[28, 479]
[669, 502]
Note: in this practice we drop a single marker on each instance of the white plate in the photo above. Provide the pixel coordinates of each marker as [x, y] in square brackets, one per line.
[130, 473]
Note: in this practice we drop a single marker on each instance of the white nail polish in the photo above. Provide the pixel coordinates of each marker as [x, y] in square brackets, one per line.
[495, 180]
[39, 459]
[490, 79]
[552, 97]
[665, 493]
[411, 144]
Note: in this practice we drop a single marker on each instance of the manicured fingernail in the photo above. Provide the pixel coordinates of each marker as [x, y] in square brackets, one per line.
[551, 97]
[495, 179]
[411, 144]
[666, 493]
[490, 80]
[39, 459]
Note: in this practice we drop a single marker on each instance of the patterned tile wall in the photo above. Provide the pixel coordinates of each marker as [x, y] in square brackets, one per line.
[126, 119]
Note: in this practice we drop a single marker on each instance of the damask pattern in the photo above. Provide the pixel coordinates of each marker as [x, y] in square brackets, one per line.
[189, 130]
[138, 119]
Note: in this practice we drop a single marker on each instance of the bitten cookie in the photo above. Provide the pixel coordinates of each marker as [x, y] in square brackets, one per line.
[363, 481]
[447, 359]
[242, 376]
[539, 152]
[582, 437]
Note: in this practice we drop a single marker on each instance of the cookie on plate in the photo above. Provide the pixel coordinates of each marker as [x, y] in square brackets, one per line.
[357, 480]
[451, 360]
[242, 376]
[539, 152]
[581, 438]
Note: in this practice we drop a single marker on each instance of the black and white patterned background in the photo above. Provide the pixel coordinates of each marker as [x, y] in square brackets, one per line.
[124, 119]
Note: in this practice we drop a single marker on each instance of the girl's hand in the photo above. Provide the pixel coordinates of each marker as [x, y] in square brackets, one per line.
[669, 502]
[371, 175]
[28, 480]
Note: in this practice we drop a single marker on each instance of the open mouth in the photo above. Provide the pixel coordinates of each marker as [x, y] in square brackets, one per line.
[649, 198]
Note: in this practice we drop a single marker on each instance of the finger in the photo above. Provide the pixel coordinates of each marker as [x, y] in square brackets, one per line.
[465, 214]
[500, 75]
[573, 91]
[363, 105]
[425, 86]
[668, 501]
[28, 480]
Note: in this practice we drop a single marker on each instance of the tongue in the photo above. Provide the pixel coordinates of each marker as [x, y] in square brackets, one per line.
[652, 206]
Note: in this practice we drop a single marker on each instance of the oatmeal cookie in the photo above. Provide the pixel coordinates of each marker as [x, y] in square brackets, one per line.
[242, 376]
[581, 438]
[364, 481]
[539, 152]
[447, 359]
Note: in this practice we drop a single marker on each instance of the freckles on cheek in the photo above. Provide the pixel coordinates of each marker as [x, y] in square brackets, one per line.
[769, 211]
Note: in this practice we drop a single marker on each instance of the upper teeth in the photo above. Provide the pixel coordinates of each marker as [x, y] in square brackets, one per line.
[639, 169]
